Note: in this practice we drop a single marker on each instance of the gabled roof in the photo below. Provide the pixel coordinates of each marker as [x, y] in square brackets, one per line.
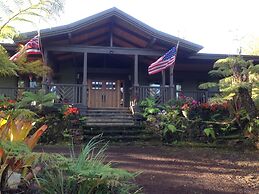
[213, 57]
[118, 14]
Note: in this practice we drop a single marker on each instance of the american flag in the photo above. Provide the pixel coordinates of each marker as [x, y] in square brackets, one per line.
[163, 62]
[30, 48]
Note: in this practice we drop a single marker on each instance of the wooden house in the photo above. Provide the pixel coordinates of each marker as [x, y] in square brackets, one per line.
[102, 61]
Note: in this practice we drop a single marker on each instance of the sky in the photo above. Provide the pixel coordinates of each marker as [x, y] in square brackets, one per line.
[220, 26]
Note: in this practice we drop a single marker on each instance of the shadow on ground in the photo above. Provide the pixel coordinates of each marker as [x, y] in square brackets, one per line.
[166, 170]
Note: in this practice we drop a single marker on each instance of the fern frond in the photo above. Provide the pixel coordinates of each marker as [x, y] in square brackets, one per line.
[208, 85]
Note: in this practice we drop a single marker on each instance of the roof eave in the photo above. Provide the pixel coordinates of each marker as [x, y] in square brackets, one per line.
[122, 15]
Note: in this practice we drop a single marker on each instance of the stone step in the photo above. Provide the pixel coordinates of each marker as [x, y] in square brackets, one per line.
[110, 124]
[109, 117]
[117, 132]
[109, 109]
[128, 138]
[111, 120]
[107, 114]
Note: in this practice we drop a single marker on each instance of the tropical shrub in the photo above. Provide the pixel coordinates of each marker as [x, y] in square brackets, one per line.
[187, 120]
[238, 85]
[85, 173]
[15, 148]
[6, 103]
[57, 126]
[36, 101]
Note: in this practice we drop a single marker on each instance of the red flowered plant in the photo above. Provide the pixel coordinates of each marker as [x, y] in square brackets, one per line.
[71, 114]
[6, 104]
[71, 111]
[207, 111]
[185, 107]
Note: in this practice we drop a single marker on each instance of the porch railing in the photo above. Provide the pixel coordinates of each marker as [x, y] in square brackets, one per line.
[200, 96]
[165, 93]
[15, 92]
[162, 94]
[66, 93]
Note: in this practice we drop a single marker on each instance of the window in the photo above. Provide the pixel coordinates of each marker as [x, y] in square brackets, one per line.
[178, 90]
[97, 85]
[110, 85]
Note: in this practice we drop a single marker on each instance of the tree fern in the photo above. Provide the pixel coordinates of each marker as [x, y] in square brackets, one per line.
[39, 98]
[17, 11]
[7, 67]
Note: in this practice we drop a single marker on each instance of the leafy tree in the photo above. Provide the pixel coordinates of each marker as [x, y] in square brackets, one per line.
[33, 67]
[251, 45]
[238, 83]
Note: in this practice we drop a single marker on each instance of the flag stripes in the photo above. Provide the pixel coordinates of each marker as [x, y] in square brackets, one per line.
[30, 48]
[163, 62]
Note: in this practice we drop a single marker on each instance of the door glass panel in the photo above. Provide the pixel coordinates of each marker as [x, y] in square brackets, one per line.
[110, 85]
[97, 85]
[178, 88]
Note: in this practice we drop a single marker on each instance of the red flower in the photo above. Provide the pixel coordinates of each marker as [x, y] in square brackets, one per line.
[185, 106]
[11, 101]
[205, 105]
[213, 107]
[71, 111]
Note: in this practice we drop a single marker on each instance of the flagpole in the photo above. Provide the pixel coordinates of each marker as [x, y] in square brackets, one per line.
[171, 69]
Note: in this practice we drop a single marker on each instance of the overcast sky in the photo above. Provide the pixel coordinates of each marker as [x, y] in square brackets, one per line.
[213, 24]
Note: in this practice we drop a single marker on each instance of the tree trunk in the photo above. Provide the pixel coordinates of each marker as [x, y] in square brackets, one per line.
[247, 102]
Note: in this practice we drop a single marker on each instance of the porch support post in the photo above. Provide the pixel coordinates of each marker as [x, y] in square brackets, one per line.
[136, 71]
[45, 62]
[163, 78]
[171, 83]
[46, 79]
[84, 89]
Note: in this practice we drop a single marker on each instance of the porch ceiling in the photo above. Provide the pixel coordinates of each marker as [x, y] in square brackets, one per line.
[125, 31]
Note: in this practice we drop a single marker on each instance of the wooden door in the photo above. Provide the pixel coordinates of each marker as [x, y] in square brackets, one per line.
[104, 93]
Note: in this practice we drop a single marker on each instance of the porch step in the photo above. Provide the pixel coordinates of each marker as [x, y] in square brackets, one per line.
[109, 117]
[120, 134]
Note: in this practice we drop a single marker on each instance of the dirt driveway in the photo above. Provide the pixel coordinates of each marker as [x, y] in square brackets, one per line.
[167, 170]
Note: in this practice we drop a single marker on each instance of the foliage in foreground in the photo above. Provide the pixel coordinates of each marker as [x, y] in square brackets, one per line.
[85, 173]
[23, 170]
[15, 148]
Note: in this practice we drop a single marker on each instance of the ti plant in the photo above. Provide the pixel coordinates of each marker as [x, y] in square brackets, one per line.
[15, 150]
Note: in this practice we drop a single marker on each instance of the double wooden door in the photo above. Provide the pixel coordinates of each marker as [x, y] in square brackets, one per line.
[105, 93]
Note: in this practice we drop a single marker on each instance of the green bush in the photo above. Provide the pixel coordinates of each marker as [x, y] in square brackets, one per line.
[85, 173]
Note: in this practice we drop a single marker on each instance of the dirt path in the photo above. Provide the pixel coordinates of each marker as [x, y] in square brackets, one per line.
[167, 170]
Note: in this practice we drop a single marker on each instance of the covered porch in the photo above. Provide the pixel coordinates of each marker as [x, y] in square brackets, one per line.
[102, 61]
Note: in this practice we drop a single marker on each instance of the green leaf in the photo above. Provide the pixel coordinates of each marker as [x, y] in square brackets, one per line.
[171, 128]
[210, 132]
